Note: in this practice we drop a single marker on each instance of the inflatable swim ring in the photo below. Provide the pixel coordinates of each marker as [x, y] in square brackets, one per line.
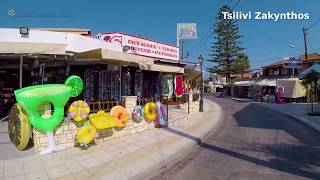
[19, 128]
[86, 134]
[102, 120]
[150, 111]
[79, 110]
[121, 115]
[137, 114]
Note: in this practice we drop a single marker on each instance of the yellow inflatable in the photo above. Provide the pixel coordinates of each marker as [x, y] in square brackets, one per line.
[150, 111]
[102, 120]
[79, 110]
[121, 115]
[86, 134]
[19, 127]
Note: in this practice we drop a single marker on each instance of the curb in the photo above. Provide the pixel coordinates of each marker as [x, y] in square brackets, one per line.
[186, 148]
[298, 118]
[238, 99]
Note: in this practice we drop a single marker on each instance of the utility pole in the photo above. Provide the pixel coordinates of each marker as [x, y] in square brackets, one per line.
[305, 45]
[181, 49]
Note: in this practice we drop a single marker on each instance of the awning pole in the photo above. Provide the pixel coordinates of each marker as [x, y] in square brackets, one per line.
[120, 69]
[21, 70]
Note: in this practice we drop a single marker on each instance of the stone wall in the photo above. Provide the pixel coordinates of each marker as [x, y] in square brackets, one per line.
[65, 134]
[193, 105]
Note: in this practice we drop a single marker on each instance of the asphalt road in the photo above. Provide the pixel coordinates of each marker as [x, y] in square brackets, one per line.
[252, 143]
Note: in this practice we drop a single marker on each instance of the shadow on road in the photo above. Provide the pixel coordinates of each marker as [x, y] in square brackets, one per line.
[277, 164]
[297, 160]
[270, 119]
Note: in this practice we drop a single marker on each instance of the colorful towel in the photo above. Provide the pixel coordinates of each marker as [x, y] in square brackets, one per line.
[178, 84]
[167, 85]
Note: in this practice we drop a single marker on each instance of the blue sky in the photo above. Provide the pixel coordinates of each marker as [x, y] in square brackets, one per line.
[265, 41]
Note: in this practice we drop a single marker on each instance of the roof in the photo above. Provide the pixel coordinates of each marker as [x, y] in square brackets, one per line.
[267, 82]
[275, 64]
[244, 83]
[71, 30]
[311, 58]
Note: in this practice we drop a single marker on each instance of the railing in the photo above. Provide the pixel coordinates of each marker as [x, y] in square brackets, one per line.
[142, 102]
[195, 96]
[96, 106]
[107, 105]
[171, 101]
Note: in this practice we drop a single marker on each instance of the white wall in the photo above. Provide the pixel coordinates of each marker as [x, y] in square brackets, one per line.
[73, 42]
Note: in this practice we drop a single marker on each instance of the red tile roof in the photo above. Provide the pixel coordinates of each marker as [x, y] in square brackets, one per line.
[311, 58]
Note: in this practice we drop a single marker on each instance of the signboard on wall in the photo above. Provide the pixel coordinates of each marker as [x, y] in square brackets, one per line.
[187, 30]
[292, 62]
[140, 46]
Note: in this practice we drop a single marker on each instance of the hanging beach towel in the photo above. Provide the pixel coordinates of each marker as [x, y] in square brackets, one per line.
[178, 85]
[164, 114]
[167, 85]
[160, 114]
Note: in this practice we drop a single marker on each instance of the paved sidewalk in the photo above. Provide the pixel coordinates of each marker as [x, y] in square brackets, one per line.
[7, 149]
[297, 111]
[137, 156]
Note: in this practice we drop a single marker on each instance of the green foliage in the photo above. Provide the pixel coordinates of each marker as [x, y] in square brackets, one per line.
[226, 52]
[230, 82]
[241, 64]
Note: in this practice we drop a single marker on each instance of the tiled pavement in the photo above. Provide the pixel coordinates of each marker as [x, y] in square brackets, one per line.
[132, 157]
[7, 149]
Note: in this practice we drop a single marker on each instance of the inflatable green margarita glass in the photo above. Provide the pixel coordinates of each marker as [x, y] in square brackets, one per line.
[30, 98]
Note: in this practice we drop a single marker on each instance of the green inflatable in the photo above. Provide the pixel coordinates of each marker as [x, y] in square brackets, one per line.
[32, 97]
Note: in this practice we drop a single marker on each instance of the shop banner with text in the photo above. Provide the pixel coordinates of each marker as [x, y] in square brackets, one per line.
[140, 46]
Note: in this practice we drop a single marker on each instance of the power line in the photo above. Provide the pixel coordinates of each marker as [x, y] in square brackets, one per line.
[235, 5]
[315, 23]
[230, 2]
[309, 44]
[207, 35]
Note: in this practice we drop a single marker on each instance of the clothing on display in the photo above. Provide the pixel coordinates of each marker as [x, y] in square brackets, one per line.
[101, 85]
[167, 85]
[178, 85]
[138, 84]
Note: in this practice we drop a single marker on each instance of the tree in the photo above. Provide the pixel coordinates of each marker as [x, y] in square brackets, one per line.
[226, 52]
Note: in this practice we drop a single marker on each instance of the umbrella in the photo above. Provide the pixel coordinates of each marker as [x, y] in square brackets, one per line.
[311, 73]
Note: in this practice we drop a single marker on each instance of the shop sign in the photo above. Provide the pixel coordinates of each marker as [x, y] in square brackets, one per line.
[292, 62]
[140, 46]
[187, 30]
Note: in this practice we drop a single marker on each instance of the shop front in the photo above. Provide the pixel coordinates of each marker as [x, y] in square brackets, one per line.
[122, 78]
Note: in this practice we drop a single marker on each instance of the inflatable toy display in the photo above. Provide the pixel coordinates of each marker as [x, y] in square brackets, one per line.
[30, 98]
[79, 110]
[85, 135]
[150, 111]
[121, 115]
[102, 120]
[137, 114]
[19, 127]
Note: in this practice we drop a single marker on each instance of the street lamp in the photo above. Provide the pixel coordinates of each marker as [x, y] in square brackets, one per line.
[200, 60]
[292, 59]
[24, 30]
